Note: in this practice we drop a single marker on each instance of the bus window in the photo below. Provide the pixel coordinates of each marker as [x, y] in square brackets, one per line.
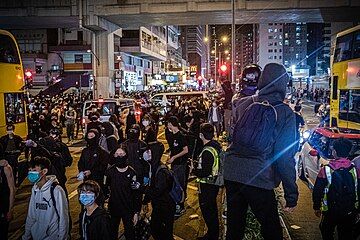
[14, 108]
[343, 48]
[8, 51]
[356, 46]
[349, 107]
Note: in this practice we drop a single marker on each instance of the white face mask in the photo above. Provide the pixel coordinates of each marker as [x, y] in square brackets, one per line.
[186, 108]
[10, 132]
[145, 123]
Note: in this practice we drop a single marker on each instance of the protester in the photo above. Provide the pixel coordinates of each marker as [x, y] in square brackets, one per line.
[335, 196]
[70, 123]
[12, 145]
[158, 193]
[94, 221]
[149, 131]
[93, 160]
[47, 217]
[206, 170]
[215, 117]
[125, 195]
[178, 157]
[251, 175]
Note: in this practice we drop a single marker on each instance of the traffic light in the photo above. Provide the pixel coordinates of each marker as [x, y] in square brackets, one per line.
[28, 78]
[223, 73]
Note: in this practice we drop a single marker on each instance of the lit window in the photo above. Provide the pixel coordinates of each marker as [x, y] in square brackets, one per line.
[275, 30]
[297, 56]
[270, 30]
[280, 43]
[270, 57]
[286, 35]
[298, 42]
[270, 44]
[286, 42]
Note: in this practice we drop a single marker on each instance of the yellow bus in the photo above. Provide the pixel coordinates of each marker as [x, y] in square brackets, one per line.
[12, 102]
[345, 83]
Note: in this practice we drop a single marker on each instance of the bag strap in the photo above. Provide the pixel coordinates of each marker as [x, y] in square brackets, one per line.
[52, 188]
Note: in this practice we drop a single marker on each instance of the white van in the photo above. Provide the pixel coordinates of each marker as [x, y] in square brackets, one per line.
[106, 107]
[166, 98]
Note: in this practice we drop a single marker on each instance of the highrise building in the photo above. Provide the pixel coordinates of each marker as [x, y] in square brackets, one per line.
[270, 43]
[194, 48]
[246, 48]
[295, 45]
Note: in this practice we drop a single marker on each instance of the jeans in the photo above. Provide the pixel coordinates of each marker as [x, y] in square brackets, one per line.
[70, 127]
[128, 226]
[208, 205]
[162, 222]
[180, 174]
[217, 128]
[262, 203]
[344, 227]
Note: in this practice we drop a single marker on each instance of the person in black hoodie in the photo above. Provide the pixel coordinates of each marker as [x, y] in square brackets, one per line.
[93, 160]
[135, 148]
[251, 179]
[94, 221]
[163, 206]
[125, 195]
[206, 171]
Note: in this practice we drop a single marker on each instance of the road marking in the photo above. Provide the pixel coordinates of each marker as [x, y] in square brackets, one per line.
[161, 134]
[73, 194]
[193, 187]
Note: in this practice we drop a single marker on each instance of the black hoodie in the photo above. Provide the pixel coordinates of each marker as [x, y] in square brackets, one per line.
[97, 226]
[279, 165]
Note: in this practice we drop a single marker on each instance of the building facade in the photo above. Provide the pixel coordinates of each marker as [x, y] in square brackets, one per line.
[270, 43]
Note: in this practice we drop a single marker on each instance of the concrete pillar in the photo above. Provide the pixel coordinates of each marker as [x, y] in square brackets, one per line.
[104, 49]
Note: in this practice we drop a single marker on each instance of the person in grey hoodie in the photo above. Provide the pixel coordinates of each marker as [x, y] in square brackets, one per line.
[48, 217]
[250, 180]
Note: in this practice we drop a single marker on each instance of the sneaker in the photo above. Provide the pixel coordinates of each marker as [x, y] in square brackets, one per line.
[224, 214]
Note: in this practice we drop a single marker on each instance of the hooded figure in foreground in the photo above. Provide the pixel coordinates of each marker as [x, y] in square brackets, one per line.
[261, 156]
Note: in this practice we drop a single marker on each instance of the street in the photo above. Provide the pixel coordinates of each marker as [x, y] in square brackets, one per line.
[302, 224]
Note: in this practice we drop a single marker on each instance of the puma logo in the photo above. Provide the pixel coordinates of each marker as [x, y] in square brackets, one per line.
[47, 201]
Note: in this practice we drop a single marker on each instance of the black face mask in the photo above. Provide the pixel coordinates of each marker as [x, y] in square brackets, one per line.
[121, 162]
[133, 135]
[92, 141]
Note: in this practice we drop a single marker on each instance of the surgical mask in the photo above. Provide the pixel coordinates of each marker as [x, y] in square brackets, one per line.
[145, 123]
[87, 199]
[10, 132]
[121, 162]
[33, 176]
[147, 155]
[186, 108]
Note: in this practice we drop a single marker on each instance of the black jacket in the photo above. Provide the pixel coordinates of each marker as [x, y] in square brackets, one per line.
[135, 150]
[98, 225]
[96, 160]
[160, 187]
[279, 165]
[19, 144]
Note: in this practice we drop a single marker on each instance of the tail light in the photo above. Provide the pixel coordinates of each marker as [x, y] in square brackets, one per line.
[313, 153]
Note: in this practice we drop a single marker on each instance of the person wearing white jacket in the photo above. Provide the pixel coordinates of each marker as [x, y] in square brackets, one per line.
[48, 217]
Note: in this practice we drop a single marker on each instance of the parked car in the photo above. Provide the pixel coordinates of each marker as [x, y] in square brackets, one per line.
[317, 151]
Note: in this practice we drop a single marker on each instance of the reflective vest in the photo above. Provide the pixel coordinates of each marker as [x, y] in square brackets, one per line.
[328, 172]
[215, 168]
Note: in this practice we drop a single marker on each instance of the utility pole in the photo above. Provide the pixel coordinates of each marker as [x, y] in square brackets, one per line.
[215, 40]
[233, 43]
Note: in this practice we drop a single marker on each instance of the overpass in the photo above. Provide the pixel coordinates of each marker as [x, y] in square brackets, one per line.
[135, 13]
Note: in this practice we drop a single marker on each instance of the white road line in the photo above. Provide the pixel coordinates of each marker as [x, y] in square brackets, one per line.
[73, 194]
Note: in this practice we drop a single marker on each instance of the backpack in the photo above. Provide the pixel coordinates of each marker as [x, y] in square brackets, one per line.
[342, 196]
[176, 192]
[254, 132]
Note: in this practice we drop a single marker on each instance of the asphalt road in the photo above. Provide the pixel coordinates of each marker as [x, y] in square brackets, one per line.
[302, 224]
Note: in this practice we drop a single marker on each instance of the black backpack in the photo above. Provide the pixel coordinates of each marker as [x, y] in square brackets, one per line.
[176, 192]
[342, 193]
[254, 132]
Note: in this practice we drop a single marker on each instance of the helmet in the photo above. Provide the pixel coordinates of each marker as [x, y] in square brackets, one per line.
[250, 75]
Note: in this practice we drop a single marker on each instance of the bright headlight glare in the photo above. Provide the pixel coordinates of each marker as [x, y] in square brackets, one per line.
[306, 134]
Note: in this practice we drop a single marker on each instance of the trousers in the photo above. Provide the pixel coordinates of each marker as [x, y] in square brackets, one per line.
[128, 226]
[344, 227]
[208, 206]
[262, 203]
[162, 221]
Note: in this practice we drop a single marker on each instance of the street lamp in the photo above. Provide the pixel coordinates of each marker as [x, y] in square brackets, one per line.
[224, 39]
[206, 39]
[91, 51]
[226, 51]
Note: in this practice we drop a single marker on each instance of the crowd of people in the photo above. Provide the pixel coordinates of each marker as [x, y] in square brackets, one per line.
[124, 171]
